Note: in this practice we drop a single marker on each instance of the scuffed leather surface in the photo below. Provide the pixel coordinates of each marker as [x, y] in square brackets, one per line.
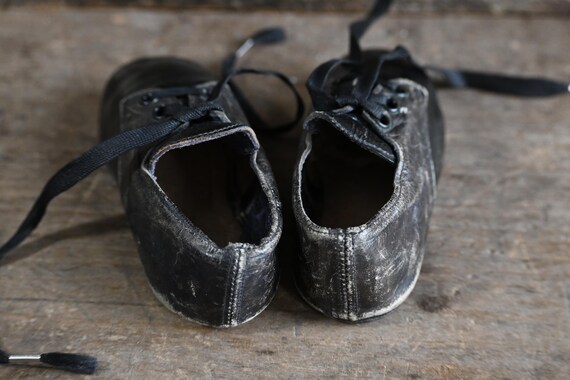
[190, 274]
[365, 271]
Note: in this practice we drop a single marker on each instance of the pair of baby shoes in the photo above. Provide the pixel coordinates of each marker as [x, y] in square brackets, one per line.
[203, 204]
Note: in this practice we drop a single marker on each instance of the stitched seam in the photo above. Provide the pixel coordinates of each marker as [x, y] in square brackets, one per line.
[239, 287]
[348, 274]
[344, 277]
[233, 291]
[340, 272]
[355, 306]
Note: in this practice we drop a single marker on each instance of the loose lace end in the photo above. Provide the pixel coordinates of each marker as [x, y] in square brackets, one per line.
[4, 357]
[75, 363]
[71, 362]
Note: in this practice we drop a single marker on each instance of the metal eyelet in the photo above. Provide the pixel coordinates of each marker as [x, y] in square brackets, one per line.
[385, 120]
[392, 104]
[401, 91]
[147, 99]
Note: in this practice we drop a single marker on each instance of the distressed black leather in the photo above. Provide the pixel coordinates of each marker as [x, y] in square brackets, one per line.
[215, 285]
[361, 271]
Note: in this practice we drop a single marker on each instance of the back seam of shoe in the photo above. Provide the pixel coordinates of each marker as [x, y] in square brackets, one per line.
[234, 281]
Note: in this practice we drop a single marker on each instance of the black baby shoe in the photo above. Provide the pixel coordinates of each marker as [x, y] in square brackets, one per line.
[202, 203]
[365, 179]
[196, 185]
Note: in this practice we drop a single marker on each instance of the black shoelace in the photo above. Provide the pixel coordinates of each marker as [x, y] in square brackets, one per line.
[107, 151]
[370, 70]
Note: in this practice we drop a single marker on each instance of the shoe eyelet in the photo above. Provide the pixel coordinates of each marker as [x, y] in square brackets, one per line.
[392, 104]
[148, 99]
[401, 91]
[159, 112]
[385, 121]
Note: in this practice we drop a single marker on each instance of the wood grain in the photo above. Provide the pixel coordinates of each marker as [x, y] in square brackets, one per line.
[551, 7]
[493, 297]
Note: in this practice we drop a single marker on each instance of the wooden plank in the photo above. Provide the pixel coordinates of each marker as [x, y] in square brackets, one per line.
[553, 7]
[491, 302]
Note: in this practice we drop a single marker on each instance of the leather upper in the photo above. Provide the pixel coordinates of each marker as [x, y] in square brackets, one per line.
[189, 273]
[366, 270]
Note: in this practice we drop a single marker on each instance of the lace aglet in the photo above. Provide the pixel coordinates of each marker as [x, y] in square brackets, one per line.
[67, 362]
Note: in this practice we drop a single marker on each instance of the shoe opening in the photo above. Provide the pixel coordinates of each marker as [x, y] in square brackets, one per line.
[214, 185]
[344, 185]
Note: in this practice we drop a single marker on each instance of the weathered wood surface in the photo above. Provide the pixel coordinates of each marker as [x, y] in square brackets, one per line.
[492, 301]
[552, 7]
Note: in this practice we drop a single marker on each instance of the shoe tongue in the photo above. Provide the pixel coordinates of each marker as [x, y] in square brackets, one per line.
[357, 130]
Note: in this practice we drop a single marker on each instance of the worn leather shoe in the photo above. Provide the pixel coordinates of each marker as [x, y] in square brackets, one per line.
[203, 205]
[363, 192]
